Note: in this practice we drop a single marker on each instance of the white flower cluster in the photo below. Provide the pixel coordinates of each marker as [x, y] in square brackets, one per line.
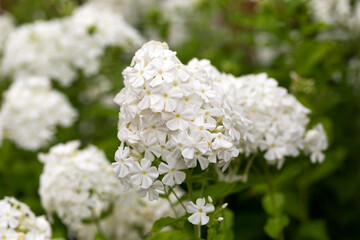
[6, 26]
[132, 217]
[83, 177]
[279, 120]
[337, 12]
[57, 48]
[17, 221]
[315, 142]
[172, 117]
[31, 110]
[174, 12]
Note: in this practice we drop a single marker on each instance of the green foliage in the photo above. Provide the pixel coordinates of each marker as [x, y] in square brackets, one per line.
[170, 235]
[275, 225]
[167, 221]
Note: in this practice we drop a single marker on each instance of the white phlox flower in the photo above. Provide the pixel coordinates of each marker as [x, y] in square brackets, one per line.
[172, 115]
[315, 142]
[83, 177]
[199, 211]
[58, 48]
[17, 221]
[279, 120]
[31, 110]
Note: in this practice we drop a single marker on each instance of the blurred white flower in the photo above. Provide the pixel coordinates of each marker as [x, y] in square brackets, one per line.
[7, 26]
[83, 177]
[315, 142]
[58, 48]
[31, 110]
[17, 221]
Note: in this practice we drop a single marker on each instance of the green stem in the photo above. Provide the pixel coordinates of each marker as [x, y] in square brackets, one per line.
[191, 194]
[199, 231]
[272, 199]
[177, 197]
[171, 204]
[247, 168]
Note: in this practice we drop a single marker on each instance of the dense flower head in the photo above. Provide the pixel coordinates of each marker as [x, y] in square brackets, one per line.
[58, 48]
[279, 119]
[83, 177]
[6, 26]
[17, 221]
[31, 110]
[172, 118]
[175, 116]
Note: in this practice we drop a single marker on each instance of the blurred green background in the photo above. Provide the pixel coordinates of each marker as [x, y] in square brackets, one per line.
[240, 37]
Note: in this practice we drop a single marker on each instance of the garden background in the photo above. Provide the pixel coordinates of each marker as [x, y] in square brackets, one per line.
[312, 59]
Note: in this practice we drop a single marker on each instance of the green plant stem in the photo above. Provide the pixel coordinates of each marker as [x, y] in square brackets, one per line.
[199, 231]
[272, 198]
[247, 168]
[191, 194]
[177, 197]
[171, 204]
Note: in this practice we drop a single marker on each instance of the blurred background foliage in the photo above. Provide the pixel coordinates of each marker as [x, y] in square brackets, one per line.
[240, 37]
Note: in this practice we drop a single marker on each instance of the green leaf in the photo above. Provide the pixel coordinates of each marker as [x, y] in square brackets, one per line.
[99, 236]
[169, 235]
[275, 225]
[222, 230]
[201, 177]
[166, 221]
[315, 230]
[223, 189]
[273, 204]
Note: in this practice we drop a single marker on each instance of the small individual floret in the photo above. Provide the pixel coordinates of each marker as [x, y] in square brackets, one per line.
[315, 142]
[17, 221]
[31, 110]
[199, 211]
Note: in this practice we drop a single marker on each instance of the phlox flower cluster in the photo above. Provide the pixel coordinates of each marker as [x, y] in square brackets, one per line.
[58, 48]
[17, 221]
[131, 219]
[6, 26]
[172, 118]
[76, 184]
[31, 110]
[173, 12]
[279, 119]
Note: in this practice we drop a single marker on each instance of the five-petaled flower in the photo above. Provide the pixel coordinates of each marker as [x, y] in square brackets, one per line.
[199, 211]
